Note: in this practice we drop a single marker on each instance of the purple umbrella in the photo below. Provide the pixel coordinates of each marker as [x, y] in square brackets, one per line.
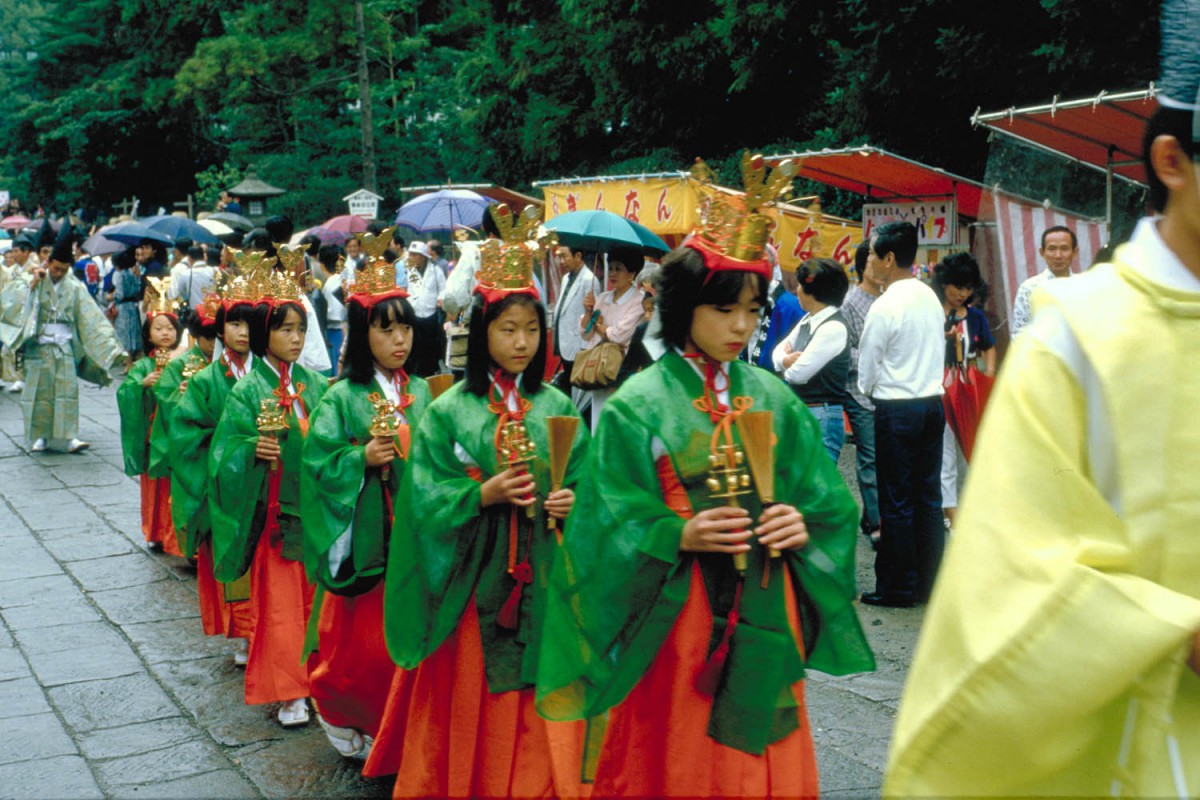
[444, 210]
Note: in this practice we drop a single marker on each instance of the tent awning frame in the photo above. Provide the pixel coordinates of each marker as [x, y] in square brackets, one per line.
[1117, 156]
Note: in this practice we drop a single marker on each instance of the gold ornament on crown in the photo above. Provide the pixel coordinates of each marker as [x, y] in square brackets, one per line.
[158, 300]
[734, 225]
[291, 260]
[255, 276]
[506, 264]
[378, 277]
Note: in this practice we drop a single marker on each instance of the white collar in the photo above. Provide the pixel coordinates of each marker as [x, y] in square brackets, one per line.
[1163, 266]
[817, 317]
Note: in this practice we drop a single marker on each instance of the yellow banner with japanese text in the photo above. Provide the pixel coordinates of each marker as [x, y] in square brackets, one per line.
[667, 206]
[671, 207]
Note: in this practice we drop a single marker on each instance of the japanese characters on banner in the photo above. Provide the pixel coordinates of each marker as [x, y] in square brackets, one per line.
[935, 221]
[664, 205]
[671, 206]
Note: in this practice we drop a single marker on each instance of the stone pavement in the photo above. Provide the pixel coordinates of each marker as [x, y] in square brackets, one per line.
[108, 687]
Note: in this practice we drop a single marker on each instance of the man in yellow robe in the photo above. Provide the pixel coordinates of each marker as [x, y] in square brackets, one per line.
[1060, 652]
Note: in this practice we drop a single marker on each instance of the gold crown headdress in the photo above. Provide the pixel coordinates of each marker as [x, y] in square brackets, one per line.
[376, 281]
[158, 300]
[506, 264]
[733, 234]
[262, 282]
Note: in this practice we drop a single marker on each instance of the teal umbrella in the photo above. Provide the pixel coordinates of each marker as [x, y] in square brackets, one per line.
[604, 231]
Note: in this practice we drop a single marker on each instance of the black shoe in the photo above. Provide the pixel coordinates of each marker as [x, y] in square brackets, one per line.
[897, 600]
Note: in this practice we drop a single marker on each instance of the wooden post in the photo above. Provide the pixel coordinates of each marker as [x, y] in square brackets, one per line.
[364, 99]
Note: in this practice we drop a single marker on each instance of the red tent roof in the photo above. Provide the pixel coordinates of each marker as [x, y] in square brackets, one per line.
[1092, 131]
[885, 177]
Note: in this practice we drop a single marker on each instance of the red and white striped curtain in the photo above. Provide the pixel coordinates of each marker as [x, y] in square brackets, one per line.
[1019, 229]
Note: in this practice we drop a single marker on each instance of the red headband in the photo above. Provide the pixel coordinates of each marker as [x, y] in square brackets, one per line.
[369, 301]
[719, 262]
[492, 294]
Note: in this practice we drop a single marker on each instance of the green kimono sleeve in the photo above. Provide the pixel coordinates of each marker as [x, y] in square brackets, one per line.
[238, 480]
[446, 550]
[237, 484]
[621, 581]
[193, 423]
[344, 503]
[136, 405]
[166, 394]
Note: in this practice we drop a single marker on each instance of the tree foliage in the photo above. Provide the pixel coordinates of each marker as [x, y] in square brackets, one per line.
[159, 98]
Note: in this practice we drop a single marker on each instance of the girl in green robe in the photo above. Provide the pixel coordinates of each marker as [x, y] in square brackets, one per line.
[137, 402]
[193, 422]
[255, 504]
[348, 485]
[693, 661]
[467, 570]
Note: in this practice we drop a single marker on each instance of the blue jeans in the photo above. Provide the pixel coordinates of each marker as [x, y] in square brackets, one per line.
[833, 428]
[862, 422]
[334, 336]
[908, 437]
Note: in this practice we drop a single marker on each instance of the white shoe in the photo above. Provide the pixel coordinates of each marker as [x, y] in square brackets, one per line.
[13, 388]
[241, 656]
[39, 446]
[77, 446]
[294, 713]
[347, 741]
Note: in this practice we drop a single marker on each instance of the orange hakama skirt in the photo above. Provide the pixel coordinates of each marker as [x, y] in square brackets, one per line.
[351, 672]
[280, 601]
[157, 526]
[448, 736]
[211, 592]
[656, 743]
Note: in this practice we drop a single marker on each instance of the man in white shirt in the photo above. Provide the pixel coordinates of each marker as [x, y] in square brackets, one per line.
[567, 338]
[425, 283]
[192, 278]
[1059, 250]
[900, 367]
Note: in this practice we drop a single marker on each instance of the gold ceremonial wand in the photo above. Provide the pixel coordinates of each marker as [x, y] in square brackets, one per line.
[561, 433]
[439, 384]
[517, 448]
[384, 425]
[162, 357]
[757, 431]
[270, 421]
[728, 480]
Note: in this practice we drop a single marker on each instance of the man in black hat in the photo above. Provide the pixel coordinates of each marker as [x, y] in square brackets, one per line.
[48, 315]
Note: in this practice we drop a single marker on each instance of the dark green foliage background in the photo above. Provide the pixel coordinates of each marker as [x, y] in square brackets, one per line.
[106, 99]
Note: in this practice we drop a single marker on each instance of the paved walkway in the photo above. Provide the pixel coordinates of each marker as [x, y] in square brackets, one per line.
[108, 687]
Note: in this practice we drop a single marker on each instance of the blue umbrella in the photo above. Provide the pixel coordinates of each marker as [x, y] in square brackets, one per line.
[176, 227]
[135, 233]
[444, 210]
[604, 231]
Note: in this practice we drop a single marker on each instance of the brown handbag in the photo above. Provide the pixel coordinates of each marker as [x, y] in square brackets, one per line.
[598, 367]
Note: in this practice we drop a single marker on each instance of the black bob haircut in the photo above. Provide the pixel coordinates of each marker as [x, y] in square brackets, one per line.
[687, 283]
[823, 279]
[147, 345]
[198, 328]
[899, 238]
[479, 359]
[241, 312]
[360, 364]
[957, 269]
[860, 259]
[266, 319]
